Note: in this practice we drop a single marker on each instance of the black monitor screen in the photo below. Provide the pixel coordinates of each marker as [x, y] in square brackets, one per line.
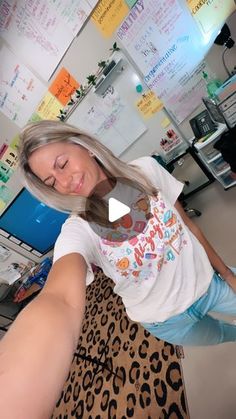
[213, 110]
[32, 222]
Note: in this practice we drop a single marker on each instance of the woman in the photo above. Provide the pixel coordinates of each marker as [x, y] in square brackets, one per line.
[165, 274]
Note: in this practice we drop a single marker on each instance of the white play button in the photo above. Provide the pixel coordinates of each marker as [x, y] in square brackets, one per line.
[116, 209]
[126, 214]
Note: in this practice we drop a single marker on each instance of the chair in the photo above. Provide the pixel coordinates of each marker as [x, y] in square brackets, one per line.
[170, 167]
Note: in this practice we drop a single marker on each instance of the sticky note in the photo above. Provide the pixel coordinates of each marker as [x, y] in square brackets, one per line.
[165, 122]
[63, 86]
[149, 104]
[14, 143]
[49, 107]
[108, 15]
[35, 118]
[10, 158]
[2, 205]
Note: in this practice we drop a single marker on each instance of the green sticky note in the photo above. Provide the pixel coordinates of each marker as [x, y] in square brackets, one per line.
[34, 118]
[5, 172]
[130, 3]
[6, 194]
[14, 143]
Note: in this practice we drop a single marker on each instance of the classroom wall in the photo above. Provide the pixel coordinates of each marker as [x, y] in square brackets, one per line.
[81, 59]
[89, 48]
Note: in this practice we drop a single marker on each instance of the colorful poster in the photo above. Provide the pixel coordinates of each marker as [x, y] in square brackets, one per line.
[209, 15]
[108, 15]
[3, 148]
[63, 86]
[42, 29]
[49, 107]
[149, 104]
[20, 90]
[10, 158]
[164, 42]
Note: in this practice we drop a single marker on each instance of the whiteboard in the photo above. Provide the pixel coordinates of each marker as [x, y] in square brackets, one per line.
[106, 113]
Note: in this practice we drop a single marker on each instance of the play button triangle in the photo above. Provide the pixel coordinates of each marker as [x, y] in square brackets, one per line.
[116, 209]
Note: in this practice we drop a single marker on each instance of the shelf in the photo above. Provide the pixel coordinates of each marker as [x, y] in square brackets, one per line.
[220, 166]
[172, 147]
[221, 128]
[108, 76]
[227, 181]
[214, 158]
[223, 171]
[177, 153]
[231, 184]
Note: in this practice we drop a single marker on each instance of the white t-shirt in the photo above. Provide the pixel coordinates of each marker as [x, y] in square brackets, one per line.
[160, 273]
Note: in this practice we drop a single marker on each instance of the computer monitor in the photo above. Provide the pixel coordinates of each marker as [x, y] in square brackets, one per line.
[213, 111]
[31, 225]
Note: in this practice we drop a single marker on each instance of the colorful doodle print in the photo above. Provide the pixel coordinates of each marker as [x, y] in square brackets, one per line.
[142, 257]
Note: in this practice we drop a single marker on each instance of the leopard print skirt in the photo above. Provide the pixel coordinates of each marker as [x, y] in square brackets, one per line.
[119, 370]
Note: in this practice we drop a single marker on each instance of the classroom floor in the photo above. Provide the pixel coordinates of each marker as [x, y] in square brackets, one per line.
[210, 372]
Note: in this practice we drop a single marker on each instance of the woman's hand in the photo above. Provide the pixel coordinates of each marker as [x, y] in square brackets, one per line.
[36, 352]
[230, 277]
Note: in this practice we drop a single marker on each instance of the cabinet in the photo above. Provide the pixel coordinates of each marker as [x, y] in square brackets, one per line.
[213, 159]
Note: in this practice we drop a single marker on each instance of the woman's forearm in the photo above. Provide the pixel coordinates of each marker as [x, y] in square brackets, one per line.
[35, 357]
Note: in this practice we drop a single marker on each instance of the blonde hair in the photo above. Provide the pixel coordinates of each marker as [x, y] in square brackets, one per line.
[39, 134]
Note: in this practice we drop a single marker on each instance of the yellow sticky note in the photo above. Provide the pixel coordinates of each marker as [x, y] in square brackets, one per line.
[2, 205]
[49, 107]
[108, 14]
[14, 143]
[149, 104]
[165, 122]
[192, 4]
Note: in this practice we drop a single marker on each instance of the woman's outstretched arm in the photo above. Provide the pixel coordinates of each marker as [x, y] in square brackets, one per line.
[36, 353]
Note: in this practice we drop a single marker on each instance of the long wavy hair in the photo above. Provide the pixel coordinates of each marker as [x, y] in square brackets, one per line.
[39, 134]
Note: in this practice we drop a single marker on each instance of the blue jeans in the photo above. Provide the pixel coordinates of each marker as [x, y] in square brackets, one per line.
[195, 327]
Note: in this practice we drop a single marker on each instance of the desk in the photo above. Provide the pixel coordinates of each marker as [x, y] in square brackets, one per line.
[212, 159]
[189, 169]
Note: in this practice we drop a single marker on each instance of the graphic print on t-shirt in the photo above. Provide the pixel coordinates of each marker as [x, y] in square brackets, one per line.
[142, 257]
[127, 194]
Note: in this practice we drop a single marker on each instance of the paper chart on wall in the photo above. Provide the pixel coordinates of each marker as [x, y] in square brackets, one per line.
[210, 14]
[73, 12]
[109, 118]
[42, 30]
[20, 90]
[164, 42]
[108, 15]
